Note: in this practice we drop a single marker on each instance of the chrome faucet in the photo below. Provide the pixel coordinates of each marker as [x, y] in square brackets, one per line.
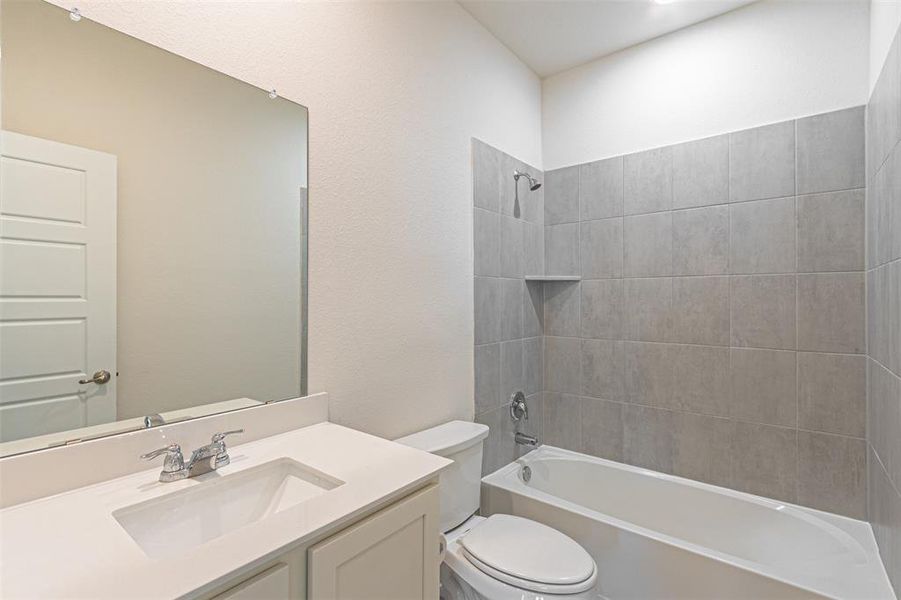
[203, 460]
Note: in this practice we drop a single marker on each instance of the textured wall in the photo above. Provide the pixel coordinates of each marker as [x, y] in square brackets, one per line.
[884, 310]
[762, 63]
[508, 231]
[395, 92]
[718, 331]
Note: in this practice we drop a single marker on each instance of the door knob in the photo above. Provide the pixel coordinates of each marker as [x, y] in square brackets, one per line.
[100, 377]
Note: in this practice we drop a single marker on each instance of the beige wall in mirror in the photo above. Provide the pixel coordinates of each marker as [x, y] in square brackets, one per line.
[194, 292]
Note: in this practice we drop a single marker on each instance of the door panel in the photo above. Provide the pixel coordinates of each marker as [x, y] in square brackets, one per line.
[57, 286]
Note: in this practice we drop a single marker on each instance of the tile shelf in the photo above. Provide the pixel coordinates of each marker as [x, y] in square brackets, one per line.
[553, 278]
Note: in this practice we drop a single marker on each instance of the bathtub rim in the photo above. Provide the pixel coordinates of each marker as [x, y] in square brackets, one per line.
[858, 532]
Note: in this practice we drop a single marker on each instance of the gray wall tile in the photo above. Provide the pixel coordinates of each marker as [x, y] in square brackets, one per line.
[650, 302]
[698, 446]
[648, 241]
[701, 310]
[486, 242]
[648, 373]
[563, 364]
[561, 309]
[832, 393]
[648, 437]
[832, 473]
[533, 249]
[648, 181]
[831, 151]
[883, 113]
[561, 421]
[884, 212]
[511, 247]
[486, 163]
[764, 386]
[601, 189]
[884, 418]
[602, 308]
[765, 460]
[763, 311]
[763, 236]
[532, 309]
[762, 162]
[701, 241]
[511, 369]
[499, 448]
[488, 377]
[510, 308]
[602, 248]
[510, 203]
[831, 312]
[561, 196]
[561, 254]
[601, 428]
[884, 510]
[602, 369]
[487, 301]
[701, 172]
[533, 365]
[831, 231]
[701, 379]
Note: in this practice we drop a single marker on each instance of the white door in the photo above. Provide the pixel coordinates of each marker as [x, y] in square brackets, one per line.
[57, 286]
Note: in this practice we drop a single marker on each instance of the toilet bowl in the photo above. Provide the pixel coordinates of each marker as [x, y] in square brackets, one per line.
[500, 557]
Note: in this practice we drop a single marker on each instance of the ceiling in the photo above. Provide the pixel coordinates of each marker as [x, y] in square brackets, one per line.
[555, 35]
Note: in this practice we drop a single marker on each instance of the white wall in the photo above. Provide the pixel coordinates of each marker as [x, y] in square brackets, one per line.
[767, 62]
[395, 91]
[885, 17]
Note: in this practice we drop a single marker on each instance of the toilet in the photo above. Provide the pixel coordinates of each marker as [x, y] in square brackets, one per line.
[501, 557]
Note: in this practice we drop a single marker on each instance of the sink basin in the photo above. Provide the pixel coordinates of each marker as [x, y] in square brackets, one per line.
[185, 519]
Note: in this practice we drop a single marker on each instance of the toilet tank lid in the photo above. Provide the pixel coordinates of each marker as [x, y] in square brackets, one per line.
[447, 439]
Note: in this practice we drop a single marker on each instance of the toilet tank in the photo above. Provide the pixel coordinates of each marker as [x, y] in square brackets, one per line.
[460, 483]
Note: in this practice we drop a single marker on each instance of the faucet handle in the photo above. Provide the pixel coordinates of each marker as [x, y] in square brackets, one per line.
[218, 437]
[174, 459]
[518, 408]
[221, 458]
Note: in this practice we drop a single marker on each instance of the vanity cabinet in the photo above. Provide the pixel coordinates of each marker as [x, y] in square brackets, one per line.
[392, 554]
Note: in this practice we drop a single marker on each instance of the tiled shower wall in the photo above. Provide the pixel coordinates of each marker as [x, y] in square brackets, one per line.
[718, 331]
[884, 311]
[508, 240]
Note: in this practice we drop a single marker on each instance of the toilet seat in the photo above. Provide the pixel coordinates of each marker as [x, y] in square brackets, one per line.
[528, 555]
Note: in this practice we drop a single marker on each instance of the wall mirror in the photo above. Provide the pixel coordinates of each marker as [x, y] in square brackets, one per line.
[152, 235]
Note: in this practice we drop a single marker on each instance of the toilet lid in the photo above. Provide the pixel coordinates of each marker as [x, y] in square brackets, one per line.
[528, 551]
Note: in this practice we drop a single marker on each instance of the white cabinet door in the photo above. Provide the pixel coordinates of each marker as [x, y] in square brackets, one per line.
[272, 584]
[392, 555]
[57, 286]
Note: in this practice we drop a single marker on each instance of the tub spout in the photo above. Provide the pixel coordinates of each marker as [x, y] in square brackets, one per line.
[524, 439]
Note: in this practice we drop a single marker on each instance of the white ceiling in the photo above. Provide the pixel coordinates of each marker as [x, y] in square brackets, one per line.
[555, 35]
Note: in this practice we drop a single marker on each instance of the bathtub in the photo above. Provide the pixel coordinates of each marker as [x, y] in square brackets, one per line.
[660, 536]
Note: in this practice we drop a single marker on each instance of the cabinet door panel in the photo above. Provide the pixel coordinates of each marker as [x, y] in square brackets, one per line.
[272, 584]
[392, 555]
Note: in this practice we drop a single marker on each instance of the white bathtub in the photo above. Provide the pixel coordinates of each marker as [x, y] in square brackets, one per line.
[659, 536]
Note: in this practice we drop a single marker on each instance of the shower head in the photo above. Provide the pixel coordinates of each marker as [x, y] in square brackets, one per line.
[534, 184]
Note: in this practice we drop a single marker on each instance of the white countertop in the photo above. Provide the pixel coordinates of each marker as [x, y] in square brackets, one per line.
[70, 546]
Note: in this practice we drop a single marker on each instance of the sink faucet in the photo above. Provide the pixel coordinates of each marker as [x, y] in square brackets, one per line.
[203, 460]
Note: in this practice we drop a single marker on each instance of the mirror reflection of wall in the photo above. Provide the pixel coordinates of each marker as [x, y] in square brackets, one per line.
[152, 222]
